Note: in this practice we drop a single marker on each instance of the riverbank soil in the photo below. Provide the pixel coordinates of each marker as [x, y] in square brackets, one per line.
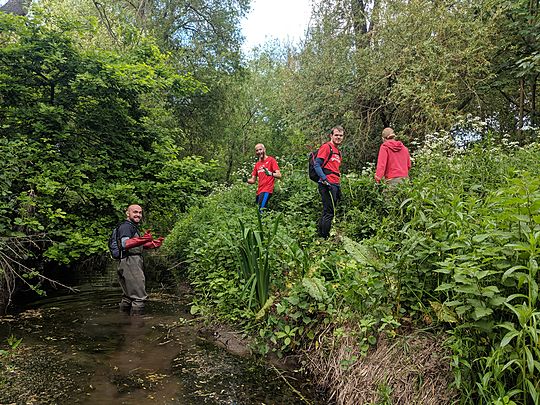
[404, 370]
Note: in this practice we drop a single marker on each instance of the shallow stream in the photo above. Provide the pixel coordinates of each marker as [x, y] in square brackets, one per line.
[79, 348]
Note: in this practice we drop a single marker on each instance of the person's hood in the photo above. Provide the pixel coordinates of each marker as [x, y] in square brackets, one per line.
[394, 146]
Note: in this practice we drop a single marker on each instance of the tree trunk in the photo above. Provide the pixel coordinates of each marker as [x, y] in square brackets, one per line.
[231, 161]
[521, 102]
[6, 287]
[359, 22]
[534, 114]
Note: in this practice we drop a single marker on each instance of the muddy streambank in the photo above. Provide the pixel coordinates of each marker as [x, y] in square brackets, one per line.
[79, 348]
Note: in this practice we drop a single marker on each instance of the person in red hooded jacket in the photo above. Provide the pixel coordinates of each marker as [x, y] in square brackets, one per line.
[130, 267]
[394, 161]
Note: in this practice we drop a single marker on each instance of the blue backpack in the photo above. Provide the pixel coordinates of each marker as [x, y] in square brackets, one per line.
[115, 244]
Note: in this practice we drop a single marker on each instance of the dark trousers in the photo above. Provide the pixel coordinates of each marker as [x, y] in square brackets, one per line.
[330, 196]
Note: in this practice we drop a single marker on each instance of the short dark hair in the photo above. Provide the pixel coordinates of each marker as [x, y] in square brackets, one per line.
[338, 127]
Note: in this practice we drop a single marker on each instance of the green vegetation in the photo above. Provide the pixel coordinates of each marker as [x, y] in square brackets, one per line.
[6, 356]
[85, 132]
[107, 103]
[453, 250]
[254, 254]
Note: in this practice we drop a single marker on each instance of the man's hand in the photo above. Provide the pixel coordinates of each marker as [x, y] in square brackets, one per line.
[139, 240]
[148, 235]
[325, 183]
[154, 243]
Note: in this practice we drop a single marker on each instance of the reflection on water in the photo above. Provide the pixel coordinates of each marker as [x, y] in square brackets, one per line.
[104, 356]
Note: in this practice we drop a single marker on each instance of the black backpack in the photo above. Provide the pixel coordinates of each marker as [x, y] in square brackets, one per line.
[115, 245]
[311, 164]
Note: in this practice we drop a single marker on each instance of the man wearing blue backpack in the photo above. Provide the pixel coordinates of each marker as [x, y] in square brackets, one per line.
[130, 266]
[327, 164]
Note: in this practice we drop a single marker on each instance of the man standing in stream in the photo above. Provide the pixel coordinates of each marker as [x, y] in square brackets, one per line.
[131, 265]
[266, 170]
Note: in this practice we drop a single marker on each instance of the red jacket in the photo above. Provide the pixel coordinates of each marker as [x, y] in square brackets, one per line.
[393, 161]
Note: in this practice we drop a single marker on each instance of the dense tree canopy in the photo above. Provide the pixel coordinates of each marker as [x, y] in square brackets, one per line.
[417, 66]
[79, 133]
[111, 102]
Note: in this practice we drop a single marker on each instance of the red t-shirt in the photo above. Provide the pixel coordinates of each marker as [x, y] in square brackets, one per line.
[266, 183]
[333, 164]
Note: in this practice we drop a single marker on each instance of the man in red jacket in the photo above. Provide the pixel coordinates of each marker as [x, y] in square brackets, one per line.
[394, 161]
[265, 171]
[131, 266]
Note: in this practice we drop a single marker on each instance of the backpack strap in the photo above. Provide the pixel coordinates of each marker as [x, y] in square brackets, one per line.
[123, 252]
[328, 171]
[329, 156]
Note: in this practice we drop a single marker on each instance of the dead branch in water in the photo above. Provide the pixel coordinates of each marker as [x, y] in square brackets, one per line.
[15, 254]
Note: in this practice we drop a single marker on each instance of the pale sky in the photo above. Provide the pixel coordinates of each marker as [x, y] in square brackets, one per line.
[285, 20]
[275, 19]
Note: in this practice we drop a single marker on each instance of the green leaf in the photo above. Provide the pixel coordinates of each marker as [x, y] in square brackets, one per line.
[293, 299]
[461, 310]
[481, 312]
[362, 254]
[490, 291]
[508, 338]
[444, 313]
[532, 391]
[315, 288]
[480, 238]
[511, 270]
[445, 287]
[530, 359]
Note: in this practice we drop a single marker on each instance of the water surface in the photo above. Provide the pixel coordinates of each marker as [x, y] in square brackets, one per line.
[79, 348]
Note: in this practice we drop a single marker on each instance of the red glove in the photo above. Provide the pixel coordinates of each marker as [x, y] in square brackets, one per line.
[154, 243]
[138, 240]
